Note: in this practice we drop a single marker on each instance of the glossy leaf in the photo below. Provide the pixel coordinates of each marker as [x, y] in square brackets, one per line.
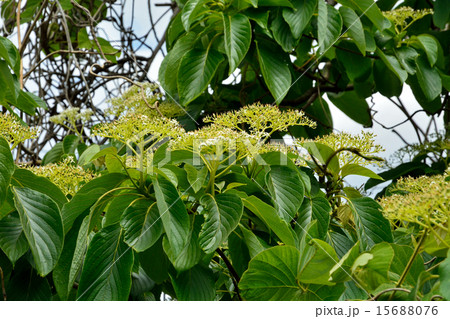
[355, 169]
[286, 189]
[371, 226]
[274, 70]
[142, 224]
[353, 106]
[329, 26]
[272, 275]
[42, 224]
[429, 79]
[237, 31]
[299, 16]
[429, 44]
[369, 9]
[190, 12]
[12, 237]
[354, 26]
[106, 272]
[269, 216]
[198, 67]
[196, 177]
[222, 215]
[316, 208]
[195, 284]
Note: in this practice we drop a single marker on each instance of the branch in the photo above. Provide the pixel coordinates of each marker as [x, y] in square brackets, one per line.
[235, 277]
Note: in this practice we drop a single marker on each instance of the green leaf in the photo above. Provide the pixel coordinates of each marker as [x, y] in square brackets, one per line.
[369, 9]
[173, 214]
[8, 83]
[191, 10]
[222, 215]
[392, 63]
[142, 225]
[272, 275]
[43, 227]
[87, 155]
[354, 27]
[269, 216]
[198, 67]
[28, 102]
[441, 14]
[254, 244]
[196, 177]
[357, 67]
[70, 144]
[353, 106]
[106, 272]
[316, 208]
[429, 79]
[402, 255]
[155, 262]
[190, 254]
[282, 34]
[299, 17]
[195, 284]
[117, 207]
[9, 53]
[355, 169]
[168, 72]
[323, 154]
[6, 168]
[275, 71]
[386, 81]
[342, 270]
[286, 189]
[329, 26]
[316, 261]
[12, 237]
[88, 196]
[238, 36]
[444, 276]
[407, 58]
[429, 44]
[372, 268]
[26, 285]
[371, 226]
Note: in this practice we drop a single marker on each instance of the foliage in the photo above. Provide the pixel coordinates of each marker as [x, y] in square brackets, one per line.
[215, 214]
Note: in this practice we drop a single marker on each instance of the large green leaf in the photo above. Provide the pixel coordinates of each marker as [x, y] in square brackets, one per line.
[28, 102]
[190, 254]
[298, 17]
[106, 272]
[286, 189]
[168, 71]
[142, 224]
[372, 268]
[429, 79]
[42, 223]
[441, 15]
[444, 276]
[238, 36]
[316, 208]
[329, 26]
[371, 226]
[6, 168]
[198, 67]
[275, 71]
[269, 216]
[369, 9]
[26, 178]
[386, 81]
[88, 196]
[354, 27]
[155, 262]
[26, 285]
[272, 275]
[342, 270]
[323, 154]
[353, 106]
[402, 255]
[12, 237]
[316, 261]
[196, 178]
[8, 83]
[430, 45]
[392, 63]
[274, 3]
[195, 284]
[9, 52]
[191, 11]
[173, 214]
[223, 213]
[355, 169]
[282, 34]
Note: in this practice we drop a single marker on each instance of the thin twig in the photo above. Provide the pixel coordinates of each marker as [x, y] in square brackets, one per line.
[234, 274]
